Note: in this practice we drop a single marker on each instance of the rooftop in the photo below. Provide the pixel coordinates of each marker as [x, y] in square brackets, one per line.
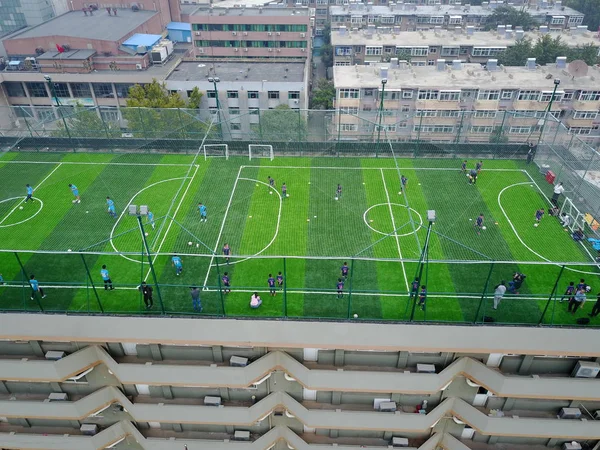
[234, 71]
[440, 10]
[100, 26]
[72, 55]
[470, 76]
[450, 38]
[270, 10]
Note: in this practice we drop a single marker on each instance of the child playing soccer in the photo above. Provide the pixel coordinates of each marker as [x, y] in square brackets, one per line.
[29, 193]
[569, 292]
[344, 269]
[271, 182]
[178, 264]
[271, 283]
[202, 210]
[403, 182]
[284, 190]
[538, 216]
[338, 192]
[226, 252]
[280, 281]
[463, 166]
[479, 223]
[151, 219]
[226, 284]
[340, 288]
[478, 167]
[422, 297]
[111, 207]
[75, 192]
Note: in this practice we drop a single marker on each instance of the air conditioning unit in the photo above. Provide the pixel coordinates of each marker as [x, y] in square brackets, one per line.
[586, 369]
[269, 33]
[303, 49]
[425, 368]
[399, 442]
[571, 446]
[597, 415]
[278, 33]
[198, 33]
[569, 413]
[387, 406]
[55, 355]
[212, 401]
[58, 397]
[234, 33]
[200, 51]
[278, 49]
[238, 361]
[139, 67]
[245, 49]
[270, 49]
[236, 49]
[245, 33]
[303, 35]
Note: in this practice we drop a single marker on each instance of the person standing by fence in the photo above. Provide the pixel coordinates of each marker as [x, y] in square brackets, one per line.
[558, 190]
[499, 292]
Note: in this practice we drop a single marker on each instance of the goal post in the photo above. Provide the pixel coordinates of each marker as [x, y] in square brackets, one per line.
[216, 151]
[260, 151]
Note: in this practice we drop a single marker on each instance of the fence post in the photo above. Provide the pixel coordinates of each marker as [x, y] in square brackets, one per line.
[27, 281]
[104, 124]
[154, 277]
[419, 135]
[350, 288]
[562, 268]
[299, 127]
[220, 286]
[285, 311]
[485, 287]
[87, 269]
[259, 126]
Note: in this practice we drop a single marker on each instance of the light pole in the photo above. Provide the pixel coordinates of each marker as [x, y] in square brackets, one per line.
[383, 82]
[214, 81]
[424, 259]
[53, 92]
[556, 83]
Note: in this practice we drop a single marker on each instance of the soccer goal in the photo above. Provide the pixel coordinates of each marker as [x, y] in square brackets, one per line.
[260, 151]
[216, 151]
[577, 217]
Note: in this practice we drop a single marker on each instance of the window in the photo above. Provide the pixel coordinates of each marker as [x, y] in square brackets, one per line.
[407, 94]
[293, 95]
[449, 96]
[585, 114]
[254, 111]
[575, 20]
[235, 126]
[371, 51]
[529, 95]
[455, 20]
[426, 113]
[568, 96]
[252, 94]
[211, 94]
[387, 19]
[37, 89]
[232, 94]
[485, 114]
[385, 128]
[450, 51]
[527, 114]
[45, 114]
[405, 108]
[109, 114]
[349, 93]
[449, 113]
[584, 96]
[481, 129]
[580, 130]
[273, 95]
[428, 94]
[487, 51]
[348, 127]
[431, 62]
[348, 110]
[368, 92]
[557, 20]
[432, 49]
[14, 89]
[402, 124]
[321, 11]
[547, 95]
[103, 90]
[506, 95]
[519, 130]
[122, 90]
[234, 111]
[433, 129]
[488, 95]
[343, 51]
[357, 49]
[61, 90]
[213, 110]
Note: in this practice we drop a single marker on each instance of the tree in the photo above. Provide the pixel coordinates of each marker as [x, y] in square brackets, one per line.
[195, 98]
[281, 124]
[508, 15]
[590, 9]
[516, 55]
[322, 97]
[498, 137]
[153, 95]
[85, 123]
[547, 49]
[587, 53]
[402, 55]
[327, 55]
[327, 34]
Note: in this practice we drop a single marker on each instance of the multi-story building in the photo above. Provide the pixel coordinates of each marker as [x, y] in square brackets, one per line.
[464, 101]
[250, 32]
[16, 14]
[173, 384]
[411, 17]
[369, 45]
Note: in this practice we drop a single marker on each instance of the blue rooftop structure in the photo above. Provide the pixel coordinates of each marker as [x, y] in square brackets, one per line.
[180, 32]
[142, 40]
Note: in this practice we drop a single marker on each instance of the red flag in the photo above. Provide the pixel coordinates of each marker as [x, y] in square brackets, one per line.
[60, 48]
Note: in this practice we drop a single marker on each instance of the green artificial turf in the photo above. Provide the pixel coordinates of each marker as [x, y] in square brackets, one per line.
[306, 236]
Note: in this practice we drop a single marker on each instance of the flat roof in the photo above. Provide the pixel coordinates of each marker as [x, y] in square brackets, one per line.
[441, 10]
[450, 38]
[470, 76]
[179, 26]
[236, 71]
[144, 40]
[71, 55]
[270, 10]
[100, 26]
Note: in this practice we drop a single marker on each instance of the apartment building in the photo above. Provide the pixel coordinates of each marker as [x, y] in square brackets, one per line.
[142, 383]
[374, 45]
[250, 32]
[411, 17]
[445, 103]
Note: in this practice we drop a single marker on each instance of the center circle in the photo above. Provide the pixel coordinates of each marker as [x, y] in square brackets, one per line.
[400, 214]
[37, 200]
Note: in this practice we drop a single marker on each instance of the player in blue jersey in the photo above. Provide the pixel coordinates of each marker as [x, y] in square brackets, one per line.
[284, 190]
[414, 287]
[463, 166]
[29, 193]
[479, 223]
[111, 207]
[478, 167]
[202, 210]
[569, 292]
[280, 281]
[106, 278]
[178, 264]
[226, 283]
[340, 288]
[75, 192]
[226, 252]
[338, 192]
[271, 283]
[403, 183]
[422, 297]
[35, 287]
[473, 176]
[538, 216]
[581, 285]
[271, 182]
[344, 269]
[151, 219]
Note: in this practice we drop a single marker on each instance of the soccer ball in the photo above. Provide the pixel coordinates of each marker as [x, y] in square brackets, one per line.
[197, 245]
[536, 224]
[483, 228]
[336, 198]
[287, 195]
[356, 316]
[588, 288]
[190, 243]
[69, 250]
[146, 234]
[20, 207]
[74, 201]
[271, 192]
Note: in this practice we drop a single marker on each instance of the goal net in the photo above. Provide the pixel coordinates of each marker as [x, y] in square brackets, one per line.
[577, 218]
[260, 151]
[216, 151]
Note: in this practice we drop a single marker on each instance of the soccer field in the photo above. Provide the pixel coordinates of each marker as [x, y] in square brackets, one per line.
[375, 227]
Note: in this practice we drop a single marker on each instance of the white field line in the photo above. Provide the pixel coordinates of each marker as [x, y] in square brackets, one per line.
[550, 203]
[521, 240]
[173, 217]
[84, 163]
[276, 229]
[212, 258]
[37, 187]
[290, 291]
[368, 168]
[387, 194]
